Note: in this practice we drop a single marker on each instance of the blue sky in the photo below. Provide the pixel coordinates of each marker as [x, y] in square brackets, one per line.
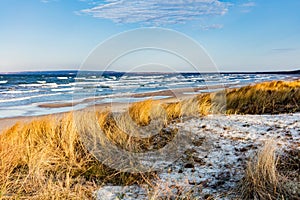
[240, 35]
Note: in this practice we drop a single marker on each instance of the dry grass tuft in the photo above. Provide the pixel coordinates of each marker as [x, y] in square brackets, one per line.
[140, 112]
[261, 178]
[46, 159]
[37, 154]
[289, 168]
[190, 107]
[265, 179]
[205, 104]
[173, 110]
[123, 132]
[120, 130]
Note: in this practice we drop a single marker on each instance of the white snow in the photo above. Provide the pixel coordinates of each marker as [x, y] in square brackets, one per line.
[213, 163]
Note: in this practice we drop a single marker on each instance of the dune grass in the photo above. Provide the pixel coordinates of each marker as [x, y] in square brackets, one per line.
[269, 97]
[269, 176]
[46, 158]
[261, 176]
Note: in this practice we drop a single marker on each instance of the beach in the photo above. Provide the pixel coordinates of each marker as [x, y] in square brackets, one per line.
[150, 100]
[118, 101]
[212, 146]
[42, 93]
[117, 107]
[173, 95]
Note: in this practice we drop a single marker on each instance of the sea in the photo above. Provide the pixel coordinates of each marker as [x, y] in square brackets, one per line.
[29, 93]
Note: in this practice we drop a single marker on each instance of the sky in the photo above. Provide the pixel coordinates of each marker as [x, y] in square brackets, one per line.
[241, 35]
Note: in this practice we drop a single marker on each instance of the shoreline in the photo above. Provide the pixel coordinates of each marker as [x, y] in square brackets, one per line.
[174, 95]
[46, 106]
[169, 93]
[6, 123]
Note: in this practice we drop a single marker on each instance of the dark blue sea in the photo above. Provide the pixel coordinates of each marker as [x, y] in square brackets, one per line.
[23, 93]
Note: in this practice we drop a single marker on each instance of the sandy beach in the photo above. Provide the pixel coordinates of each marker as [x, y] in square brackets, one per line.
[172, 96]
[181, 93]
[208, 159]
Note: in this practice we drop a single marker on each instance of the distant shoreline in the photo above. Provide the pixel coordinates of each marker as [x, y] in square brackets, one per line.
[151, 73]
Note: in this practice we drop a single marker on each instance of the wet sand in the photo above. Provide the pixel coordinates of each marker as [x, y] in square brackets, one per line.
[6, 123]
[174, 93]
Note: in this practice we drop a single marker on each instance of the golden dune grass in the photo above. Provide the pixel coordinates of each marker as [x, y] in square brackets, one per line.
[119, 129]
[46, 158]
[268, 176]
[261, 177]
[35, 155]
[140, 112]
[269, 97]
[173, 110]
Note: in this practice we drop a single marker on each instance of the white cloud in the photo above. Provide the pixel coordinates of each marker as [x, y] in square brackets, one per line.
[154, 12]
[246, 7]
[283, 50]
[248, 4]
[47, 1]
[90, 2]
[212, 26]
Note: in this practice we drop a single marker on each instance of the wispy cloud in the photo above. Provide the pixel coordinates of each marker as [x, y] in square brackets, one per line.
[248, 4]
[153, 12]
[283, 50]
[247, 7]
[90, 2]
[47, 1]
[212, 26]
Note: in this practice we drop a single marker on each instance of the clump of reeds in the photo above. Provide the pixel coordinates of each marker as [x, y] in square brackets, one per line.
[261, 176]
[268, 176]
[289, 168]
[140, 112]
[145, 112]
[173, 110]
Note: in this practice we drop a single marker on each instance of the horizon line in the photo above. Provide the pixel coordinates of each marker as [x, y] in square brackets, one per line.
[153, 72]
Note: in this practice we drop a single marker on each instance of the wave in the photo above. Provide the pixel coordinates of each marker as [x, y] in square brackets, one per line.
[210, 90]
[3, 82]
[39, 85]
[19, 91]
[62, 78]
[65, 89]
[85, 83]
[26, 98]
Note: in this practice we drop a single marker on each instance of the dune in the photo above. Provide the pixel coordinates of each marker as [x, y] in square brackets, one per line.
[47, 158]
